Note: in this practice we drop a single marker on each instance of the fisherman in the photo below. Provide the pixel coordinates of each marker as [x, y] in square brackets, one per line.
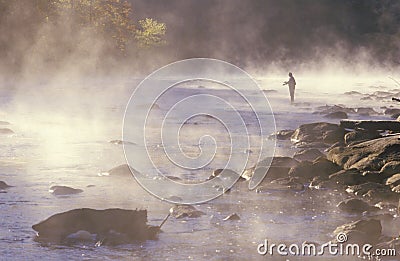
[292, 86]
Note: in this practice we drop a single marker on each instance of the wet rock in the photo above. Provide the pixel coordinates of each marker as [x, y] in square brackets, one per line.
[318, 132]
[337, 115]
[371, 125]
[361, 135]
[121, 142]
[123, 170]
[362, 189]
[361, 231]
[6, 131]
[354, 205]
[333, 108]
[278, 168]
[64, 190]
[284, 134]
[366, 111]
[226, 173]
[132, 223]
[307, 170]
[307, 154]
[182, 211]
[352, 177]
[233, 216]
[369, 155]
[390, 168]
[374, 192]
[80, 236]
[4, 185]
[311, 145]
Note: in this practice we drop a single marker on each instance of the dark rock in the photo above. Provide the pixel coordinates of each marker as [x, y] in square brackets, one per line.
[332, 109]
[352, 177]
[353, 93]
[307, 154]
[369, 155]
[64, 190]
[362, 189]
[396, 189]
[383, 125]
[4, 185]
[374, 192]
[6, 131]
[361, 231]
[318, 132]
[307, 170]
[276, 167]
[391, 111]
[337, 115]
[311, 145]
[361, 135]
[354, 205]
[233, 216]
[182, 211]
[366, 111]
[132, 223]
[390, 168]
[123, 170]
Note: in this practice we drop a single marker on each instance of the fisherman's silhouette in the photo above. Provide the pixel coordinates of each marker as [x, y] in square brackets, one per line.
[292, 86]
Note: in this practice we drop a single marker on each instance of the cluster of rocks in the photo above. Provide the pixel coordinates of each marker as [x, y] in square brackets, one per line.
[363, 161]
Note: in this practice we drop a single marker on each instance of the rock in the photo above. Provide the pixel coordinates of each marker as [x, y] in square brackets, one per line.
[353, 93]
[361, 231]
[311, 145]
[64, 190]
[4, 185]
[132, 223]
[318, 132]
[332, 109]
[366, 111]
[174, 178]
[182, 211]
[121, 142]
[123, 170]
[283, 134]
[354, 205]
[374, 192]
[307, 170]
[337, 115]
[396, 189]
[6, 131]
[278, 168]
[369, 155]
[391, 111]
[352, 177]
[371, 125]
[233, 216]
[390, 168]
[362, 189]
[227, 173]
[273, 187]
[361, 135]
[307, 154]
[80, 237]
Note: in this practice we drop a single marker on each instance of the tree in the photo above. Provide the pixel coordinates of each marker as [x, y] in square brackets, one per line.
[151, 33]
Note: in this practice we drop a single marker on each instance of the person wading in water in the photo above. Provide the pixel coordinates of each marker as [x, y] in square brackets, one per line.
[292, 86]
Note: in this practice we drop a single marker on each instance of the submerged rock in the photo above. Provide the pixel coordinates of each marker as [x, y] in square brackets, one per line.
[182, 211]
[369, 155]
[131, 223]
[233, 216]
[337, 115]
[4, 185]
[6, 131]
[318, 132]
[64, 190]
[308, 154]
[123, 170]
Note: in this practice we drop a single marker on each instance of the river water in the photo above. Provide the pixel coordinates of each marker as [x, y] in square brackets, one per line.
[62, 134]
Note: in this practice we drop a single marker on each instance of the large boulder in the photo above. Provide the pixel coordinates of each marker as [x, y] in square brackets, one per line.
[369, 155]
[308, 154]
[361, 231]
[131, 223]
[318, 132]
[307, 170]
[360, 135]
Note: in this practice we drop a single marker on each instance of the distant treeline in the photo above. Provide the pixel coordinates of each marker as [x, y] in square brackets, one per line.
[47, 33]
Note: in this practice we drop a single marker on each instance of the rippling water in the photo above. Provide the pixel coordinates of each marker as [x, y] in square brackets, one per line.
[62, 139]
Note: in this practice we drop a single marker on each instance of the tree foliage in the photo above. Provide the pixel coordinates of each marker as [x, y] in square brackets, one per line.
[151, 33]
